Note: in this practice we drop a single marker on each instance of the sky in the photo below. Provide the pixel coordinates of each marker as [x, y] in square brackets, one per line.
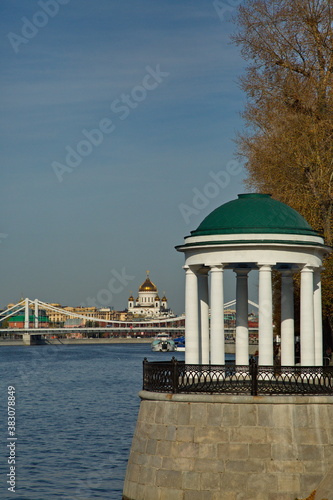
[116, 118]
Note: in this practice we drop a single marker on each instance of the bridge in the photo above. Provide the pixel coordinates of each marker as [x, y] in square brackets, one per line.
[171, 325]
[174, 325]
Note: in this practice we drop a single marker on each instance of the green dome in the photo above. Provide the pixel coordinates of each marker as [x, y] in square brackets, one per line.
[254, 213]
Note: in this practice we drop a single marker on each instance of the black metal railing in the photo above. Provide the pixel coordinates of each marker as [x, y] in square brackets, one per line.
[177, 377]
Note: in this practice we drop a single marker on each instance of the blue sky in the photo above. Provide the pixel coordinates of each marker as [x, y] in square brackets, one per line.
[159, 80]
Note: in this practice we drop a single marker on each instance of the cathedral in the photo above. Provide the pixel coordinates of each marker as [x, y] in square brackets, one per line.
[148, 304]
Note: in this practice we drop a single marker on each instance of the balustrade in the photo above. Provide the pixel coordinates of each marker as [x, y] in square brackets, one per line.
[253, 379]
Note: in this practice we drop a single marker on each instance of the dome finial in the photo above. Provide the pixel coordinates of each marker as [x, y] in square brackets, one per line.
[147, 286]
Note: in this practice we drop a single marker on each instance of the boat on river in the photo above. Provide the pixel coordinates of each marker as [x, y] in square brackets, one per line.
[163, 343]
[180, 343]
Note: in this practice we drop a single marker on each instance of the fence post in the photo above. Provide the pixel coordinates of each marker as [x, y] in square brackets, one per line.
[254, 377]
[174, 374]
[144, 362]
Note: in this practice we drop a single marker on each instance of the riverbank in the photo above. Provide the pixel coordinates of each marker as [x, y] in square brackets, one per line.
[229, 348]
[112, 340]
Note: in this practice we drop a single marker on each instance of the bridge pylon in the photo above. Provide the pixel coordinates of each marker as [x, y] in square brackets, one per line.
[36, 314]
[26, 313]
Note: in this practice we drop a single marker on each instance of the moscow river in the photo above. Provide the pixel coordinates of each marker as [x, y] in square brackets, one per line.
[68, 414]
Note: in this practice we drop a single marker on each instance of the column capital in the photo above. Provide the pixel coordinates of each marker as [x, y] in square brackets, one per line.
[241, 271]
[216, 268]
[203, 271]
[264, 266]
[307, 269]
[191, 269]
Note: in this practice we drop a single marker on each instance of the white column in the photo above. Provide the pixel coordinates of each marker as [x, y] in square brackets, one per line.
[36, 313]
[242, 325]
[26, 313]
[191, 317]
[216, 316]
[265, 315]
[287, 319]
[204, 318]
[307, 318]
[318, 322]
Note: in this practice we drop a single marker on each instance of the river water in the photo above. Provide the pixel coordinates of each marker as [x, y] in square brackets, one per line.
[75, 413]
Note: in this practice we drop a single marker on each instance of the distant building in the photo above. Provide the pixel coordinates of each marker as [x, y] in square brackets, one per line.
[61, 316]
[148, 304]
[229, 318]
[18, 320]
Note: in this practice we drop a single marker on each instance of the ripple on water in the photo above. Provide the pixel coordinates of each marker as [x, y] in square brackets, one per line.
[76, 413]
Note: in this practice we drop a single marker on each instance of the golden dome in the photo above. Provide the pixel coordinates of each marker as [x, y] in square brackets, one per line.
[148, 286]
[131, 297]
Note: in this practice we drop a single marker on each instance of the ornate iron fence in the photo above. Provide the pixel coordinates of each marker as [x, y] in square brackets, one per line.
[176, 377]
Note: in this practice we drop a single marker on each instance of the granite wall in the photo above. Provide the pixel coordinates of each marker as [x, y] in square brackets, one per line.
[217, 447]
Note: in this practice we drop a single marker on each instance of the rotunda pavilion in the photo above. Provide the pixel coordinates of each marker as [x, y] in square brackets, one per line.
[253, 232]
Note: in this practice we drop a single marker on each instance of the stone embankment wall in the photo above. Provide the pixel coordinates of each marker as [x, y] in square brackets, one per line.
[216, 447]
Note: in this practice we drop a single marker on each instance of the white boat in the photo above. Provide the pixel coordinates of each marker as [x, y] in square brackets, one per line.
[162, 343]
